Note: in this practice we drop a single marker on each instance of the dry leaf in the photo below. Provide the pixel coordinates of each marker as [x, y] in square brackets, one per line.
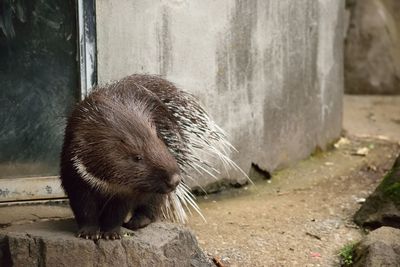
[342, 141]
[363, 151]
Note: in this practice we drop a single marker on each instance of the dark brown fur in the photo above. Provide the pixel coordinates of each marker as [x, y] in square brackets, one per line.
[115, 134]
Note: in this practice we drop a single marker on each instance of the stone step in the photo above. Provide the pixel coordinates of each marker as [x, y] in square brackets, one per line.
[53, 243]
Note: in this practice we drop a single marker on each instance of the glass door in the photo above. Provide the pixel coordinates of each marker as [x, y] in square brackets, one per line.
[40, 78]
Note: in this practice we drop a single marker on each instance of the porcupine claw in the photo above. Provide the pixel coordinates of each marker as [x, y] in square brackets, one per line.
[92, 233]
[111, 235]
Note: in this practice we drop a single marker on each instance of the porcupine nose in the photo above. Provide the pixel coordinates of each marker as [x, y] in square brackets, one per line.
[174, 180]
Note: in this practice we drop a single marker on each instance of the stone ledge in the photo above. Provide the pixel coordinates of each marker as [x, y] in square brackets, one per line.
[53, 243]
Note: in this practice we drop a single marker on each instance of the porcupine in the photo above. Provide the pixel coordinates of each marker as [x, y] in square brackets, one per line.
[128, 149]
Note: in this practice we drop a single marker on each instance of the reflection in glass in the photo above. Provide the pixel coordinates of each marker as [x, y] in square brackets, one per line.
[38, 85]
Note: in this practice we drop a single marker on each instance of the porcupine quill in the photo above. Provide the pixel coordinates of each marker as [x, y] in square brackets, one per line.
[202, 136]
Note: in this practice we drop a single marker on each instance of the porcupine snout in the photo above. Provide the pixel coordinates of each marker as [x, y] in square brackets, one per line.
[165, 166]
[173, 181]
[170, 180]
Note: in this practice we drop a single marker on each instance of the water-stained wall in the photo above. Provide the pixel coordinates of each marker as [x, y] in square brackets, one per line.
[268, 71]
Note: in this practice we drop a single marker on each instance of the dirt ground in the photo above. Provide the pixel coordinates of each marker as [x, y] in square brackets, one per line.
[372, 116]
[303, 215]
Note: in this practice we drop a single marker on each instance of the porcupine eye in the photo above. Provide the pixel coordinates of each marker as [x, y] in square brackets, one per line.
[137, 158]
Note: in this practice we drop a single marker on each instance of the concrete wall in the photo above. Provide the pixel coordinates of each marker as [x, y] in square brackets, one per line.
[268, 71]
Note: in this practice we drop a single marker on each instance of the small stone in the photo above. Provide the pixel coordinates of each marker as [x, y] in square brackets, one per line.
[226, 259]
[379, 248]
[360, 200]
[342, 141]
[363, 151]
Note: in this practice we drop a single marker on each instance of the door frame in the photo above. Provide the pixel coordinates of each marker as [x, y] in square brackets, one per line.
[15, 190]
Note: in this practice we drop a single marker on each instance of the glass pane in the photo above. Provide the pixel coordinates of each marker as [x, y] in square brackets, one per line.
[38, 84]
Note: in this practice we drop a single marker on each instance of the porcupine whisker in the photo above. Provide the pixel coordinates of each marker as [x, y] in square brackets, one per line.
[226, 160]
[198, 142]
[192, 165]
[208, 166]
[191, 200]
[198, 184]
[214, 154]
[188, 193]
[205, 170]
[195, 182]
[222, 157]
[181, 215]
[185, 175]
[166, 209]
[185, 203]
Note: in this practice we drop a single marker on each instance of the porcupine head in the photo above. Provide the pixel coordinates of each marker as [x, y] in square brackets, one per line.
[116, 151]
[121, 148]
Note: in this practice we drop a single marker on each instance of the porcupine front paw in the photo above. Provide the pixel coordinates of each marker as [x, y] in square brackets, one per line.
[89, 232]
[112, 234]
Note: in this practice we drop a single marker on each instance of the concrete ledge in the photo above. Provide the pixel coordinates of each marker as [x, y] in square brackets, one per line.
[53, 243]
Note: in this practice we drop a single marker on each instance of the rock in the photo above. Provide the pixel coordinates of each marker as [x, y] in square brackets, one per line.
[53, 243]
[382, 207]
[372, 47]
[379, 248]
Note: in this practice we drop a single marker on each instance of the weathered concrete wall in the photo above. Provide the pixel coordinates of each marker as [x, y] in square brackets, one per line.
[268, 71]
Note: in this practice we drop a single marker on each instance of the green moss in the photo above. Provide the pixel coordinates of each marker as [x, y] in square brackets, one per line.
[390, 186]
[387, 180]
[347, 253]
[393, 192]
[318, 151]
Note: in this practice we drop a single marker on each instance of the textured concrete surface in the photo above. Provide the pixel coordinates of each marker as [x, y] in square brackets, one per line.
[372, 51]
[269, 72]
[54, 244]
